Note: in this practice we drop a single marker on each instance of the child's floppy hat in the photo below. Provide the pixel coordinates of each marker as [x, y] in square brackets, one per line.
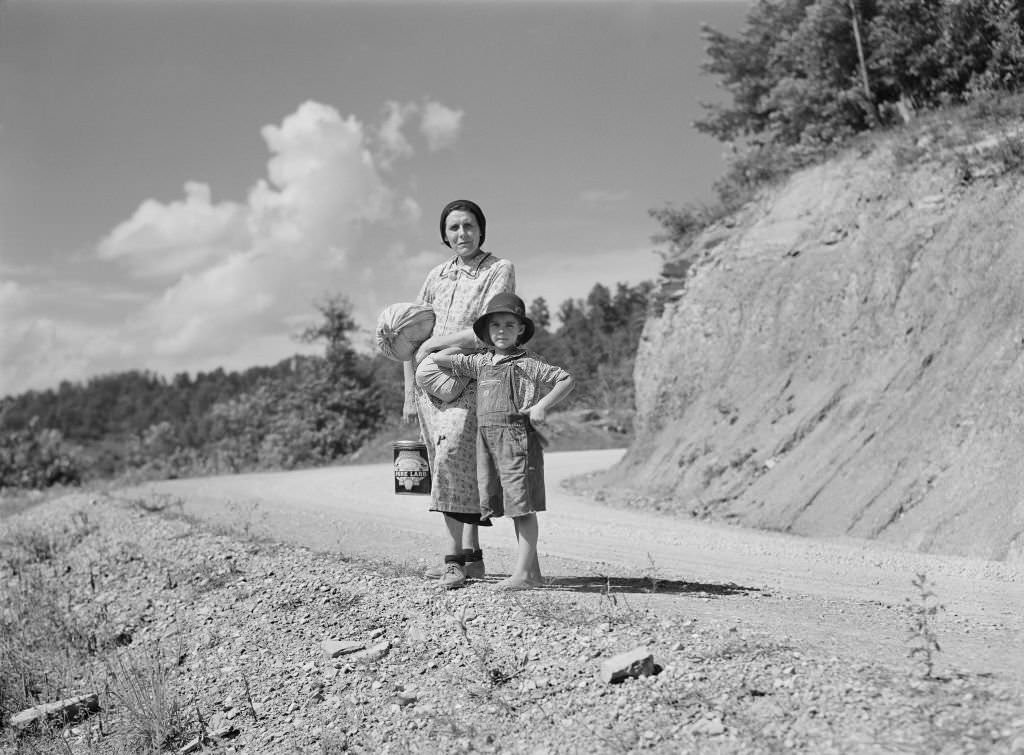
[507, 304]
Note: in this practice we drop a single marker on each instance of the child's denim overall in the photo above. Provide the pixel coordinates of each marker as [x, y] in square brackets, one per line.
[510, 460]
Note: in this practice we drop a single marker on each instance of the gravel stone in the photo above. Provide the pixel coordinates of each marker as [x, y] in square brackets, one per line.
[478, 670]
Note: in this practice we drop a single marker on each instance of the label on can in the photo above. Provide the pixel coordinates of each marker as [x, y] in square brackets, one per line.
[412, 470]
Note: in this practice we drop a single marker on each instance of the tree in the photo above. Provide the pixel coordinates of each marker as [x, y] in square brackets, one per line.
[803, 72]
[819, 98]
[37, 457]
[596, 342]
[804, 76]
[748, 68]
[334, 330]
[600, 314]
[1004, 72]
[907, 52]
[539, 313]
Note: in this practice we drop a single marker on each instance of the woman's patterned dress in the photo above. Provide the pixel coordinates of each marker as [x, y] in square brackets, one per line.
[449, 430]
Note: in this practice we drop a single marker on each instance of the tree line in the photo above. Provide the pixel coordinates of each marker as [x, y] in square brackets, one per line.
[303, 411]
[803, 77]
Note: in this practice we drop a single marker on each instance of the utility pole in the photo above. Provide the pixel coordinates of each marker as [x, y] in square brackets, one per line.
[863, 66]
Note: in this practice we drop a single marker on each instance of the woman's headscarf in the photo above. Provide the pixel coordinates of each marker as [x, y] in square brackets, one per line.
[468, 206]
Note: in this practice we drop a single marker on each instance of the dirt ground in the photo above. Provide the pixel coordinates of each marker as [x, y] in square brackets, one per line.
[849, 598]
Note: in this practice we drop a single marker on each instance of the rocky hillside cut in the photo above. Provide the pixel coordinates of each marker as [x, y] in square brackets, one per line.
[845, 356]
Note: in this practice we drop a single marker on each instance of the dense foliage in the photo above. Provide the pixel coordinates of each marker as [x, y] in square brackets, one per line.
[300, 412]
[596, 341]
[34, 457]
[803, 76]
[304, 411]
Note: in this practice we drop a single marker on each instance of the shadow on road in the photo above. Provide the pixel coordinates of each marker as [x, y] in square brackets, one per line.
[646, 585]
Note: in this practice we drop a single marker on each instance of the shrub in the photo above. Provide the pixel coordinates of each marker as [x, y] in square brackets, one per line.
[37, 458]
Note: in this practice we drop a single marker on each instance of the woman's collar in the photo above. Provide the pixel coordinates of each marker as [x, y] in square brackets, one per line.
[474, 262]
[471, 269]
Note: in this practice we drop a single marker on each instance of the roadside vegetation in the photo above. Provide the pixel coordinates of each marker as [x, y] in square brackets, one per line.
[193, 639]
[806, 78]
[803, 78]
[305, 411]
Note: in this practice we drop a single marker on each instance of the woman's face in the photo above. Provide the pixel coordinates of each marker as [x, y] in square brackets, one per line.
[462, 232]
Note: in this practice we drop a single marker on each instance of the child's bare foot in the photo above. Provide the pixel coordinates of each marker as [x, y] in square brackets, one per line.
[517, 583]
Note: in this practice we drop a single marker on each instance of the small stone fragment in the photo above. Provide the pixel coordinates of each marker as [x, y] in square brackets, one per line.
[711, 727]
[225, 732]
[633, 663]
[372, 653]
[334, 648]
[68, 709]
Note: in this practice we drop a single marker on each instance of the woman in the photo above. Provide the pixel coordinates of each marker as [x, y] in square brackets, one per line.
[458, 290]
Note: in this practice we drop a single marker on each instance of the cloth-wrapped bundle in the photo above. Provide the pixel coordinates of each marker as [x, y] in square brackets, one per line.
[438, 382]
[402, 327]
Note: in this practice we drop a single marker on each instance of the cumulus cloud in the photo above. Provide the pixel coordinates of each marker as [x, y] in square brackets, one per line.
[303, 224]
[169, 239]
[38, 349]
[229, 283]
[393, 143]
[440, 125]
[10, 295]
[34, 353]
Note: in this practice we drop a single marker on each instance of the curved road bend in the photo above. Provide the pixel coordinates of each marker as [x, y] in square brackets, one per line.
[844, 595]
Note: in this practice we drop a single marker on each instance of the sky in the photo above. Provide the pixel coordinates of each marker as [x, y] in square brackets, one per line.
[182, 182]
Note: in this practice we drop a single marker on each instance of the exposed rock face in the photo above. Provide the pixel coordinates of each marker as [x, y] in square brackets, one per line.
[846, 357]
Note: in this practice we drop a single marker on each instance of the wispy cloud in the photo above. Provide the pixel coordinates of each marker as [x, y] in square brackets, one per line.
[440, 125]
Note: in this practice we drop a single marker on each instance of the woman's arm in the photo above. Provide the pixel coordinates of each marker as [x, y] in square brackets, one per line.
[409, 404]
[462, 339]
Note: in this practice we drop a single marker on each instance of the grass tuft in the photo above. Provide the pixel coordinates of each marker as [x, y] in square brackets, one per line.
[154, 716]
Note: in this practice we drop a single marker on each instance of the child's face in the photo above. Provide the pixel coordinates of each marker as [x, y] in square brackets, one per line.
[504, 330]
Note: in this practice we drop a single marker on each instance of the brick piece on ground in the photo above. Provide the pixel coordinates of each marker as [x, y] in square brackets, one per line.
[372, 653]
[334, 648]
[636, 662]
[68, 709]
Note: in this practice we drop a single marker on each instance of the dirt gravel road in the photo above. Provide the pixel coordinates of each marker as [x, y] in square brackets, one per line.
[846, 598]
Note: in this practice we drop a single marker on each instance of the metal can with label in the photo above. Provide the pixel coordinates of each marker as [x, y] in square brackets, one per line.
[412, 468]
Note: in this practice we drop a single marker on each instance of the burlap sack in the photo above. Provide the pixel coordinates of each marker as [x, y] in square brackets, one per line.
[438, 382]
[402, 327]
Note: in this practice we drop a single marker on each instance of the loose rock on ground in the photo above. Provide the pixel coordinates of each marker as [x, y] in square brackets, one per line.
[254, 638]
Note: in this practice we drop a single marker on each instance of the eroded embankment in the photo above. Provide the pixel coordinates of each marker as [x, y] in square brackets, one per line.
[846, 357]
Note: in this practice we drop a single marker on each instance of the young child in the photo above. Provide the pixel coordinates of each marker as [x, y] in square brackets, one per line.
[515, 390]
